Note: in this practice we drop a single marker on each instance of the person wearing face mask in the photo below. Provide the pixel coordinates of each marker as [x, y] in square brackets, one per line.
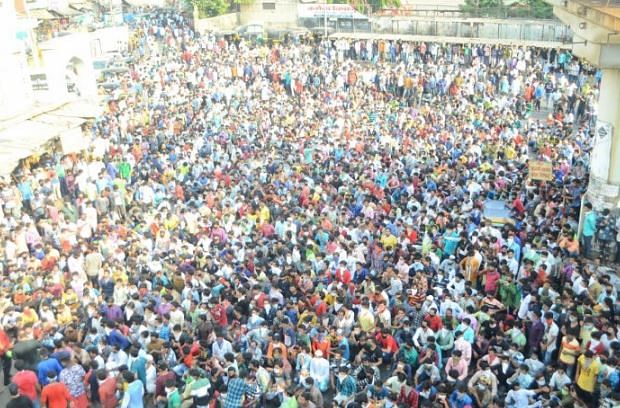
[520, 396]
[345, 387]
[427, 372]
[585, 334]
[481, 393]
[319, 370]
[559, 378]
[586, 376]
[605, 394]
[220, 347]
[459, 397]
[569, 350]
[316, 396]
[549, 343]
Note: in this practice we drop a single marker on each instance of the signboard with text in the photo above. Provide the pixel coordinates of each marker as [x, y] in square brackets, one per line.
[327, 10]
[540, 170]
[39, 82]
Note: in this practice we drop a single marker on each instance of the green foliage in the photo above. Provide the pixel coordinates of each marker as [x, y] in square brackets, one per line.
[490, 8]
[508, 8]
[540, 9]
[209, 8]
[382, 4]
[370, 6]
[483, 3]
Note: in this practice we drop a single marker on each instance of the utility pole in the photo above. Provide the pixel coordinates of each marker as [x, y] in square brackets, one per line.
[325, 19]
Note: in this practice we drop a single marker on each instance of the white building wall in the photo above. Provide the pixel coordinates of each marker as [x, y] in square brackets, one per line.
[15, 91]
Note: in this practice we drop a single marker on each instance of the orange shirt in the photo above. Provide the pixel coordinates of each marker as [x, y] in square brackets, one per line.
[569, 350]
[107, 393]
[55, 395]
[324, 346]
[280, 346]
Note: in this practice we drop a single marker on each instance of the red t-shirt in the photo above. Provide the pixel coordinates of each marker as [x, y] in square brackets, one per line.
[388, 343]
[343, 275]
[55, 395]
[26, 381]
[107, 393]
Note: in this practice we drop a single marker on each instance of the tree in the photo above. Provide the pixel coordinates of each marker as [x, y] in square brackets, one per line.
[369, 6]
[483, 3]
[540, 9]
[509, 8]
[483, 7]
[209, 8]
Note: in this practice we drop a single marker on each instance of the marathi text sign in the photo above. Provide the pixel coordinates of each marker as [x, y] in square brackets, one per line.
[540, 170]
[327, 10]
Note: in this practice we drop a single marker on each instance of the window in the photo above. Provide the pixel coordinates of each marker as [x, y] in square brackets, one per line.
[269, 6]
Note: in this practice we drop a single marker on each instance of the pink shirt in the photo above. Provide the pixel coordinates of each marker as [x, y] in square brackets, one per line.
[460, 367]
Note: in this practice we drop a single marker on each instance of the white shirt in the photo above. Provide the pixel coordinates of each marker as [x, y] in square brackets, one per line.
[524, 307]
[518, 399]
[551, 335]
[420, 336]
[319, 369]
[220, 350]
[558, 381]
[151, 378]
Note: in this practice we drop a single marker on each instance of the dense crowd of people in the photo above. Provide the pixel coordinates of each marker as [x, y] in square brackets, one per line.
[302, 224]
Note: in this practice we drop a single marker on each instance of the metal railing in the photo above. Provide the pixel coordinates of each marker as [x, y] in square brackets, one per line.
[493, 29]
[432, 11]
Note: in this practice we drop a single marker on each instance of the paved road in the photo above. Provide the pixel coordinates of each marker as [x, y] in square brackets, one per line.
[4, 395]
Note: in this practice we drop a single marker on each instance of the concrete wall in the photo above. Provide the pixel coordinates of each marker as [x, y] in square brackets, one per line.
[56, 54]
[524, 30]
[15, 94]
[284, 14]
[108, 39]
[223, 22]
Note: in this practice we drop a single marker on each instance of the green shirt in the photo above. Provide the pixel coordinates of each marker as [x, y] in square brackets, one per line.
[125, 170]
[289, 402]
[174, 399]
[509, 295]
[410, 356]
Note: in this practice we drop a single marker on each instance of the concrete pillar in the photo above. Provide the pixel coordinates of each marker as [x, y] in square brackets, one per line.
[609, 111]
[604, 183]
[595, 37]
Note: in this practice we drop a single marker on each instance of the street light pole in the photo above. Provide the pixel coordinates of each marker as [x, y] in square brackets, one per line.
[325, 19]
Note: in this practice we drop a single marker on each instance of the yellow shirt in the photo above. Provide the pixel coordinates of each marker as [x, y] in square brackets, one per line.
[389, 241]
[119, 274]
[264, 214]
[510, 153]
[64, 317]
[366, 321]
[330, 299]
[569, 351]
[30, 318]
[587, 376]
[171, 223]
